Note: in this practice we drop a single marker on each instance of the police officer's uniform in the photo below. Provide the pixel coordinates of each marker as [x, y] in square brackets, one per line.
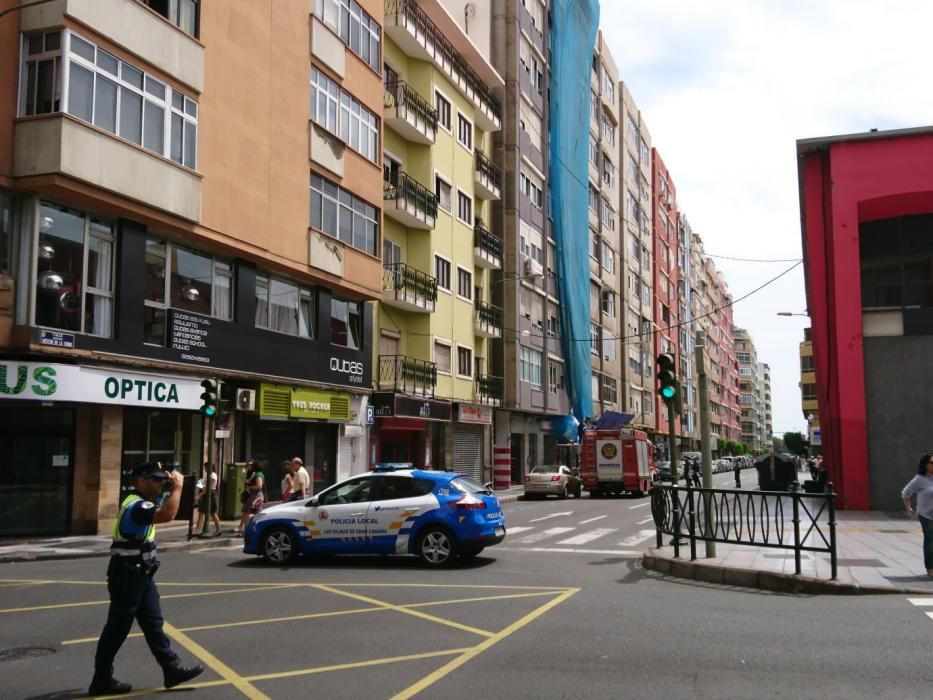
[134, 594]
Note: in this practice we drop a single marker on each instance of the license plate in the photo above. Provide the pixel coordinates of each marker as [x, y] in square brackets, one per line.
[500, 531]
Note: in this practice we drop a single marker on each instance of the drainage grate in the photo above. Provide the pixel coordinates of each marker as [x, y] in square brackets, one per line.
[20, 653]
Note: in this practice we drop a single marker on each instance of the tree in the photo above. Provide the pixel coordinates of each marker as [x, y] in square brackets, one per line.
[777, 445]
[795, 443]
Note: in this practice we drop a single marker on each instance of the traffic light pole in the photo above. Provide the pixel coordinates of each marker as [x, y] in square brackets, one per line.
[207, 477]
[705, 446]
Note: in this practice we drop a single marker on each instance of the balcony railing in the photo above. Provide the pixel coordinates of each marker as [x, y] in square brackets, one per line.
[408, 288]
[487, 248]
[408, 112]
[408, 15]
[407, 375]
[488, 390]
[488, 177]
[487, 320]
[414, 204]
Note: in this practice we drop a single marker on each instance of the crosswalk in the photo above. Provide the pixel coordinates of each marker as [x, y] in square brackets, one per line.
[558, 532]
[925, 602]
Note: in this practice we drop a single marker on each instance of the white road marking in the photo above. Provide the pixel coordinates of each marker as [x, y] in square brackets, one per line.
[552, 515]
[517, 530]
[640, 505]
[646, 520]
[544, 534]
[571, 550]
[632, 540]
[921, 601]
[598, 517]
[589, 536]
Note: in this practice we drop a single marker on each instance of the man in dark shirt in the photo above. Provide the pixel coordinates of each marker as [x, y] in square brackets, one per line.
[130, 582]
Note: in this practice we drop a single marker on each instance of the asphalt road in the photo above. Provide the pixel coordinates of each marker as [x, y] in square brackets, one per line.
[560, 609]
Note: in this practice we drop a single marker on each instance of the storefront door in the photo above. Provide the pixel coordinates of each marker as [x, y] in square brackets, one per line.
[36, 462]
[159, 436]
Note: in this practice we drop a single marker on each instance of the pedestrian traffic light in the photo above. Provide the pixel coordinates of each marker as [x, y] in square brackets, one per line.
[210, 397]
[667, 380]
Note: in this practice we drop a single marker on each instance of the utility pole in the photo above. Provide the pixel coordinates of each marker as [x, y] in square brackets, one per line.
[705, 447]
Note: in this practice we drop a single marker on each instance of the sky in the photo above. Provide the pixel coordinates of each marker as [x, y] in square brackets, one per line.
[726, 87]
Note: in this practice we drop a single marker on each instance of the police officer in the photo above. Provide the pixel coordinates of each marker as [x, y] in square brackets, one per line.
[133, 590]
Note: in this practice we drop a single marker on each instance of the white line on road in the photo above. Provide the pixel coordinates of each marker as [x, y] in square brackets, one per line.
[517, 530]
[552, 515]
[635, 539]
[598, 517]
[646, 520]
[921, 601]
[589, 536]
[571, 550]
[640, 505]
[543, 535]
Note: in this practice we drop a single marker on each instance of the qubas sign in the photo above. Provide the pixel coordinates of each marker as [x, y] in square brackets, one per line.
[53, 382]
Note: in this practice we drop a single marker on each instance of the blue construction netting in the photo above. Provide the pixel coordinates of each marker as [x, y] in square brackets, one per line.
[573, 38]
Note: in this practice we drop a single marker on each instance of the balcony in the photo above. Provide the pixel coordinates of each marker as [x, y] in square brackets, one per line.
[487, 320]
[408, 201]
[487, 390]
[409, 289]
[487, 248]
[407, 375]
[487, 178]
[418, 36]
[409, 113]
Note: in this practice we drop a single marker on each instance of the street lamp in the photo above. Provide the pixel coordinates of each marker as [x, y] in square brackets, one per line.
[790, 313]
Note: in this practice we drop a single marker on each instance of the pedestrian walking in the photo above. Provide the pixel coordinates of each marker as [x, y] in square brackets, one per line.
[921, 486]
[131, 583]
[287, 481]
[695, 473]
[737, 472]
[252, 495]
[202, 502]
[301, 478]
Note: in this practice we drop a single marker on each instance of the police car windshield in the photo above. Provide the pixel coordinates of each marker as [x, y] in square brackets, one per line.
[465, 485]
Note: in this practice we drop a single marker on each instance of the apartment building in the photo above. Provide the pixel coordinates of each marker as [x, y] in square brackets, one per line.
[435, 323]
[635, 250]
[162, 227]
[605, 265]
[766, 425]
[808, 398]
[750, 389]
[689, 419]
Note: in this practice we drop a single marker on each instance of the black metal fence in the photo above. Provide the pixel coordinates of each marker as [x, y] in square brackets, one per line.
[793, 520]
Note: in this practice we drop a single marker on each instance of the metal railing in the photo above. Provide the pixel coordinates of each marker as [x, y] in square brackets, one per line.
[487, 241]
[488, 387]
[399, 94]
[407, 13]
[409, 281]
[399, 186]
[803, 522]
[488, 169]
[488, 315]
[407, 375]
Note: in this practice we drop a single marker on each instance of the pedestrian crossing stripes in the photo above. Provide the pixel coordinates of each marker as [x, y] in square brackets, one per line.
[544, 534]
[588, 536]
[923, 602]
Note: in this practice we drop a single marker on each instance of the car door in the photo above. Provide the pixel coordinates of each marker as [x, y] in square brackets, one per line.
[400, 501]
[337, 518]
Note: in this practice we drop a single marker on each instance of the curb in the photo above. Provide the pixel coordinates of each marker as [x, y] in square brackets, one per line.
[764, 580]
[195, 543]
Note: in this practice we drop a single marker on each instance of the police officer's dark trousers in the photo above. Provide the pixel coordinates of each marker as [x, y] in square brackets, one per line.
[133, 595]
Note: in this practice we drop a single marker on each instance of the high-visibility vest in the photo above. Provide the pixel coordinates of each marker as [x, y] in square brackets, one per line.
[131, 546]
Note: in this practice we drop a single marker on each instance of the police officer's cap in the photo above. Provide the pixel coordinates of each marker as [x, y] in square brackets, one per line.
[150, 470]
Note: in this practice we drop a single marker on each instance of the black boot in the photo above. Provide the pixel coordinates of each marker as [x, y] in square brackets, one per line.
[175, 674]
[104, 683]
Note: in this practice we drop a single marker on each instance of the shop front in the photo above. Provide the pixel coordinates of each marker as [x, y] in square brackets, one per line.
[69, 434]
[409, 429]
[468, 441]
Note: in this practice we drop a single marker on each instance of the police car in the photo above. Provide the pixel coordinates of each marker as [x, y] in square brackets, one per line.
[438, 516]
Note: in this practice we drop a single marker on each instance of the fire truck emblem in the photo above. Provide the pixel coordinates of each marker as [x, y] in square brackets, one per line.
[609, 450]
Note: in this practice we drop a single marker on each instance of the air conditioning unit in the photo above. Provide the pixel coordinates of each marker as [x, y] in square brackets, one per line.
[245, 399]
[533, 267]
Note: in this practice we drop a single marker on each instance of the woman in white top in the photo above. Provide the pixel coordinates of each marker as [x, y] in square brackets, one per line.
[922, 486]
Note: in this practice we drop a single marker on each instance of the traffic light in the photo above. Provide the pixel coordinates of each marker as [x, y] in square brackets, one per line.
[667, 380]
[210, 397]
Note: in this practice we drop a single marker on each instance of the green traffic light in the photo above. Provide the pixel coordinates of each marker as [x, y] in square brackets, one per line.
[208, 411]
[668, 392]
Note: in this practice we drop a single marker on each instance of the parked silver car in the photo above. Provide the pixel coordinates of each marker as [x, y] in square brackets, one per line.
[556, 479]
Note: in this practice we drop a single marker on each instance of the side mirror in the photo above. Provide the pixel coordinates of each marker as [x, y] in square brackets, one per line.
[488, 486]
[312, 503]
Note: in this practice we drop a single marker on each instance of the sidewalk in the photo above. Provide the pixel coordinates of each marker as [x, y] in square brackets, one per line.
[877, 552]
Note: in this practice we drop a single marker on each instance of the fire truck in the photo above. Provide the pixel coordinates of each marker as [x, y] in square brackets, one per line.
[616, 461]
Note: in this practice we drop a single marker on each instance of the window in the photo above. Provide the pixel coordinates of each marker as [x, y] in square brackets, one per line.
[464, 361]
[609, 130]
[342, 215]
[6, 232]
[442, 191]
[594, 199]
[530, 123]
[109, 93]
[608, 86]
[555, 377]
[608, 259]
[594, 149]
[442, 105]
[896, 256]
[464, 207]
[609, 390]
[442, 272]
[339, 112]
[355, 27]
[284, 307]
[607, 216]
[806, 363]
[532, 188]
[464, 132]
[464, 283]
[391, 252]
[595, 334]
[609, 171]
[609, 303]
[442, 357]
[74, 271]
[632, 127]
[182, 13]
[530, 367]
[536, 12]
[357, 491]
[609, 345]
[346, 323]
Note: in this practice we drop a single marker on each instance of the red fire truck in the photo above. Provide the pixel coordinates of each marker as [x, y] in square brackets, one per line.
[616, 461]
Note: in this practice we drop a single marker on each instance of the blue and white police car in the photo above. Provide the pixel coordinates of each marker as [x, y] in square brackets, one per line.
[394, 509]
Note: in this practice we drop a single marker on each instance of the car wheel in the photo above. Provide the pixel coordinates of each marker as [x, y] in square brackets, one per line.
[279, 546]
[436, 547]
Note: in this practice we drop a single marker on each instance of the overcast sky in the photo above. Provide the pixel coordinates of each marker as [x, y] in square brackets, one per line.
[727, 87]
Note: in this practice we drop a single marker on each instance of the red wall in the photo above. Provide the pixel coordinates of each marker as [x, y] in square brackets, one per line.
[842, 185]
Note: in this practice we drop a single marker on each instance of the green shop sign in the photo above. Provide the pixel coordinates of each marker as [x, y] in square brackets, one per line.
[279, 401]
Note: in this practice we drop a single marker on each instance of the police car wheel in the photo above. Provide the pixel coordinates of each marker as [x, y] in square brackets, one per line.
[437, 547]
[279, 546]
